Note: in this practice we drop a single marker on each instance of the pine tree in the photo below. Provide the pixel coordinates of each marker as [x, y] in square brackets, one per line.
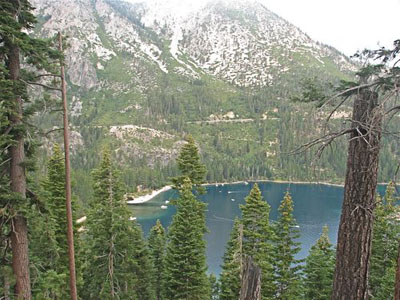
[157, 241]
[214, 287]
[185, 261]
[117, 259]
[257, 238]
[287, 268]
[230, 275]
[384, 246]
[319, 268]
[190, 166]
[18, 49]
[49, 249]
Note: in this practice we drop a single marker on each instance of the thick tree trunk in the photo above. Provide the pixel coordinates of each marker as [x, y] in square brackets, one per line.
[355, 230]
[397, 282]
[251, 281]
[19, 230]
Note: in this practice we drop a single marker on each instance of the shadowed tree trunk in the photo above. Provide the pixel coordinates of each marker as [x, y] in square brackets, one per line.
[19, 231]
[251, 281]
[355, 230]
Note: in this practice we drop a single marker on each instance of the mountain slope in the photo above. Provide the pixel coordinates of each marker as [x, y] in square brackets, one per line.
[143, 75]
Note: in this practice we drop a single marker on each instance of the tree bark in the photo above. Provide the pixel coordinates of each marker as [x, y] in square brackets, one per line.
[68, 204]
[355, 230]
[251, 281]
[19, 230]
[397, 282]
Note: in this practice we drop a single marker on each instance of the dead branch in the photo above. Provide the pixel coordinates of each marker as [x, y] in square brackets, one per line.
[324, 141]
[48, 75]
[42, 85]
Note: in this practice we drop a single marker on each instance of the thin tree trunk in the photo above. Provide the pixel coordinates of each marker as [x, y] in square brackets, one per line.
[397, 282]
[19, 230]
[251, 281]
[355, 230]
[70, 230]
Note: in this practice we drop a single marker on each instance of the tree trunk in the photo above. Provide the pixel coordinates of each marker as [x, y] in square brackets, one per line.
[251, 281]
[355, 230]
[68, 204]
[397, 282]
[19, 230]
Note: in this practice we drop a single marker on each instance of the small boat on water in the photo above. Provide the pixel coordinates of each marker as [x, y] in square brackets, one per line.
[164, 207]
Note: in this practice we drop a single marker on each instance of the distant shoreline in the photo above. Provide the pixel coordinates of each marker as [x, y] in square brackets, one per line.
[148, 197]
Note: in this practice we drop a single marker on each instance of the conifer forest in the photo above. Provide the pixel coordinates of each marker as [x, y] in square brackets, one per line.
[101, 108]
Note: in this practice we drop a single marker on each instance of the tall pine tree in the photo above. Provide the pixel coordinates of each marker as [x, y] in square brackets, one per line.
[319, 268]
[185, 261]
[287, 268]
[386, 231]
[117, 258]
[48, 234]
[257, 238]
[18, 49]
[157, 241]
[230, 275]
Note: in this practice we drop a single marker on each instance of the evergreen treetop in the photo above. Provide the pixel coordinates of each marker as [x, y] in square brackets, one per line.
[287, 268]
[190, 166]
[258, 237]
[185, 261]
[319, 268]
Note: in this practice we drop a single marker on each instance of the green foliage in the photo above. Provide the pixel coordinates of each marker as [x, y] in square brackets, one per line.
[214, 287]
[312, 91]
[258, 237]
[287, 268]
[319, 268]
[386, 231]
[157, 241]
[185, 261]
[230, 274]
[117, 258]
[48, 234]
[190, 166]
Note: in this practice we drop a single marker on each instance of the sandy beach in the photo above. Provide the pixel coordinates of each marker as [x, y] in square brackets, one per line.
[145, 198]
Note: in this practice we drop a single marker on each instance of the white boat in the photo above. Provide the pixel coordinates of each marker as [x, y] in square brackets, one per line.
[233, 199]
[166, 201]
[164, 207]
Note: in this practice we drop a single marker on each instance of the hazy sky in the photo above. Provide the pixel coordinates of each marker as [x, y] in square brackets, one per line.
[348, 25]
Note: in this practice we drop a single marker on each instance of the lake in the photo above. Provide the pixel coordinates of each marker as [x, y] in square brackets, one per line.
[315, 205]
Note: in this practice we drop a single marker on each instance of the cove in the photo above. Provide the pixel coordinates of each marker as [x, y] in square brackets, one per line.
[314, 206]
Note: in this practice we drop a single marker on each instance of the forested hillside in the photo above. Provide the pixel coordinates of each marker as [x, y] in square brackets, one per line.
[142, 76]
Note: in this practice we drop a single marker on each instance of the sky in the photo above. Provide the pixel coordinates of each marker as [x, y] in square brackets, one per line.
[347, 25]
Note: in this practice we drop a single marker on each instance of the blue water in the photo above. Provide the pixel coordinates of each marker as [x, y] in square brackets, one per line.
[314, 206]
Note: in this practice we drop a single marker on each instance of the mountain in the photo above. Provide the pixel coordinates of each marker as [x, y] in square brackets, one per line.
[240, 42]
[142, 75]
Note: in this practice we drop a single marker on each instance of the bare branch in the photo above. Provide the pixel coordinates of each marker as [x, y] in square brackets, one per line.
[355, 88]
[48, 75]
[53, 130]
[324, 141]
[42, 85]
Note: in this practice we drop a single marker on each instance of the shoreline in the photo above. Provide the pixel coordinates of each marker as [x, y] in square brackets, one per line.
[148, 197]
